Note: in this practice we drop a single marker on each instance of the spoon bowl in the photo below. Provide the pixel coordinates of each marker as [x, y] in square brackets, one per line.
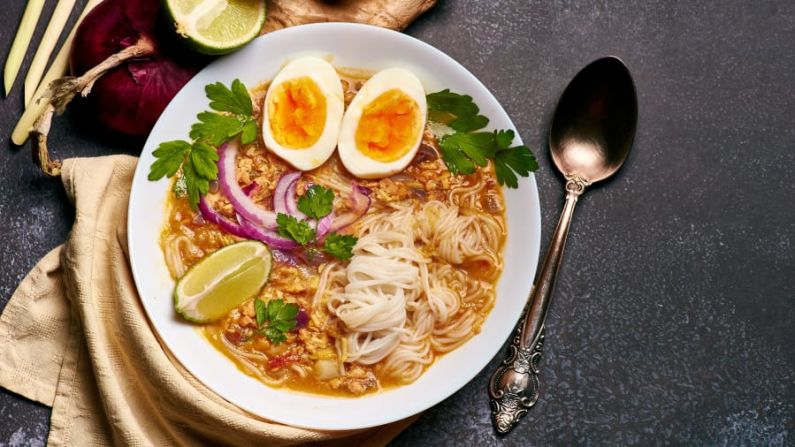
[594, 122]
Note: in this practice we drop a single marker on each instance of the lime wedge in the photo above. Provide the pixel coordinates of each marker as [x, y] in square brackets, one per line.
[217, 26]
[222, 281]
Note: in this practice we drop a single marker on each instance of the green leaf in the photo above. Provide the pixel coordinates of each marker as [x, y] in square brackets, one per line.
[457, 111]
[456, 161]
[340, 245]
[204, 158]
[317, 202]
[458, 105]
[477, 147]
[294, 229]
[235, 100]
[215, 128]
[519, 160]
[249, 133]
[469, 123]
[279, 317]
[191, 184]
[276, 336]
[261, 310]
[170, 155]
[503, 138]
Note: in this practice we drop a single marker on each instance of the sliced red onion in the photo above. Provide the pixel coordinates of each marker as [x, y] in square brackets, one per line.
[242, 203]
[301, 319]
[360, 203]
[324, 226]
[291, 201]
[211, 215]
[244, 228]
[270, 237]
[250, 188]
[280, 194]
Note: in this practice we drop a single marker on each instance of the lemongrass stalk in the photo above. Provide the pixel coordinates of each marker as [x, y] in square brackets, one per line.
[58, 68]
[59, 17]
[20, 46]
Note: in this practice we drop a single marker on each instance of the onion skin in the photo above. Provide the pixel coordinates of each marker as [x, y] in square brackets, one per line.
[129, 99]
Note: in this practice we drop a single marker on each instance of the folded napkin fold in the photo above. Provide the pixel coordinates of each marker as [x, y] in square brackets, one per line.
[74, 336]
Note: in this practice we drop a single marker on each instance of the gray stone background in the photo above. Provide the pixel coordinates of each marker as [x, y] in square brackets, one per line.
[674, 317]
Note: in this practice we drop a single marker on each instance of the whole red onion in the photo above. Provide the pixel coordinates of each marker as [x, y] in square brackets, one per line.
[130, 97]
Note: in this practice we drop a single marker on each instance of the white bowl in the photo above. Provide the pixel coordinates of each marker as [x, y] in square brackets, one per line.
[349, 45]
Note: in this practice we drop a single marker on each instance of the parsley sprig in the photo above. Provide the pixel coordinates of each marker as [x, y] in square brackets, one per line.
[275, 318]
[232, 116]
[464, 150]
[316, 203]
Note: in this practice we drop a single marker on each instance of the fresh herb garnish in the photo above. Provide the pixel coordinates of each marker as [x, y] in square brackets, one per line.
[215, 128]
[464, 149]
[293, 228]
[198, 167]
[232, 117]
[316, 203]
[275, 318]
[340, 245]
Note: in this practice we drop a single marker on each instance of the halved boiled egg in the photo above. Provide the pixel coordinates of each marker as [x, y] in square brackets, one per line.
[382, 128]
[302, 113]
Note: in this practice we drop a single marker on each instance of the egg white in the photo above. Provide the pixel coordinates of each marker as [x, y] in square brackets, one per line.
[356, 162]
[328, 81]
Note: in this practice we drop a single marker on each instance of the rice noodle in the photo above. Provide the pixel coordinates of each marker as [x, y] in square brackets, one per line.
[398, 305]
[245, 359]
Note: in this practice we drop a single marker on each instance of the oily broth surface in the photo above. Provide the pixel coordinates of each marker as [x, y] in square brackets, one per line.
[296, 280]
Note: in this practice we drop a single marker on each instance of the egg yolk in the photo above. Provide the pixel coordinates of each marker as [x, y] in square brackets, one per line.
[297, 113]
[389, 126]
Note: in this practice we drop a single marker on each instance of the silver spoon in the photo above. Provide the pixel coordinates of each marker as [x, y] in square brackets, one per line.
[592, 131]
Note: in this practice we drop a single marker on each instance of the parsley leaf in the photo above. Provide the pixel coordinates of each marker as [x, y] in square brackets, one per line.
[340, 245]
[235, 117]
[204, 158]
[215, 128]
[276, 336]
[198, 167]
[477, 146]
[316, 202]
[462, 112]
[465, 150]
[275, 318]
[517, 159]
[170, 155]
[294, 229]
[235, 100]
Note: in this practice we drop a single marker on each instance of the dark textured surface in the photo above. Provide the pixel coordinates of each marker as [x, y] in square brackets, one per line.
[674, 318]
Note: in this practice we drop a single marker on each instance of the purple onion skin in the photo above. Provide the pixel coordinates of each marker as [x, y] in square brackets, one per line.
[301, 319]
[130, 98]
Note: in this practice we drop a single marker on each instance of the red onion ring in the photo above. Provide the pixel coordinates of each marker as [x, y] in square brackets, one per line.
[291, 201]
[281, 200]
[360, 203]
[242, 203]
[244, 228]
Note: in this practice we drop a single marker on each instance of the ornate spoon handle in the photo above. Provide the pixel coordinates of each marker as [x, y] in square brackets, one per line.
[514, 388]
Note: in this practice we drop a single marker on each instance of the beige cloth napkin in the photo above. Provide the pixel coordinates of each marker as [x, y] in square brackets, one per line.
[75, 337]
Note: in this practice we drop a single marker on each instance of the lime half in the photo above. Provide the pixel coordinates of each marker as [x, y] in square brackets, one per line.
[222, 281]
[217, 26]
